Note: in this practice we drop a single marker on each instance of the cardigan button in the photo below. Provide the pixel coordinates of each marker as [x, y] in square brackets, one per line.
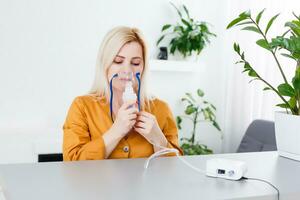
[126, 149]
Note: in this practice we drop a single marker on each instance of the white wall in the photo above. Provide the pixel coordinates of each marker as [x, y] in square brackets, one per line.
[47, 57]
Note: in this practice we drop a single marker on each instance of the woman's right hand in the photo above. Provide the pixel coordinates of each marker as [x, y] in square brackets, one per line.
[126, 118]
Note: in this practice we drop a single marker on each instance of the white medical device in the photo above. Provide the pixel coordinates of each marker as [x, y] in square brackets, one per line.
[129, 93]
[225, 168]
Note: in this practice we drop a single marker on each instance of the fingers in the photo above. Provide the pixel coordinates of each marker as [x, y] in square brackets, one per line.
[140, 130]
[132, 117]
[132, 123]
[140, 125]
[145, 114]
[141, 118]
[132, 110]
[128, 104]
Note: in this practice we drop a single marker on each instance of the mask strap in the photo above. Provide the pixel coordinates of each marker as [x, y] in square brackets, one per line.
[137, 75]
[111, 97]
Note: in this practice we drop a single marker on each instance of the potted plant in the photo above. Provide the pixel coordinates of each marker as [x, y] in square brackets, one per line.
[197, 110]
[187, 36]
[287, 124]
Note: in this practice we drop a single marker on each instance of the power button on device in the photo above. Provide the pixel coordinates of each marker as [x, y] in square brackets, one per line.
[231, 173]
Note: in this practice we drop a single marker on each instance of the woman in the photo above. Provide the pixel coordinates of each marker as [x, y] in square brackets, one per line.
[100, 125]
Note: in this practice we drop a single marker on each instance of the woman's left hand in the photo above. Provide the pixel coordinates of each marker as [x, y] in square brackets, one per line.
[148, 127]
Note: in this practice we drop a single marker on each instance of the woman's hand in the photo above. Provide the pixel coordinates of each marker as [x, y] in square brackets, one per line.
[125, 118]
[148, 127]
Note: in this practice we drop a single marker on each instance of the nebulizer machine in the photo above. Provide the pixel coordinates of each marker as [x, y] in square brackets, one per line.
[222, 168]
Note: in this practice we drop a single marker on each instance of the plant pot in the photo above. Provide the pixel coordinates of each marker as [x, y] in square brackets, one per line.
[287, 132]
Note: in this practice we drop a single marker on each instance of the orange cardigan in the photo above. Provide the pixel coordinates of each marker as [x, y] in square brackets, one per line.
[88, 119]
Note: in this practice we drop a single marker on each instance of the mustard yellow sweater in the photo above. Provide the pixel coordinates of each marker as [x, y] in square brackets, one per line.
[89, 118]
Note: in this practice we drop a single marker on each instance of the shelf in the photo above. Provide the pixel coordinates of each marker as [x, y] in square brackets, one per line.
[175, 66]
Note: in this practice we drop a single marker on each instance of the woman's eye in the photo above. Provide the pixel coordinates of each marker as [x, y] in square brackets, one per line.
[117, 62]
[136, 64]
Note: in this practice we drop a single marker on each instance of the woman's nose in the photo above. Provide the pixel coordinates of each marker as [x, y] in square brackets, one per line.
[127, 68]
[126, 74]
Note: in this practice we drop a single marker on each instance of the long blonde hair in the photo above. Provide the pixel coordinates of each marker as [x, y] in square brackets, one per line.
[111, 44]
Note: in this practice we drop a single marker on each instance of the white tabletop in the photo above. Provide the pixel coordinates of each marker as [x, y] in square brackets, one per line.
[166, 178]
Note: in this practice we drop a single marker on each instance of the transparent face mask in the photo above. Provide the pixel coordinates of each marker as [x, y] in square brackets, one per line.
[129, 79]
[126, 77]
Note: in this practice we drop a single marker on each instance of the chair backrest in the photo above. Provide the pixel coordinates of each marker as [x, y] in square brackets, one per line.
[260, 136]
[55, 157]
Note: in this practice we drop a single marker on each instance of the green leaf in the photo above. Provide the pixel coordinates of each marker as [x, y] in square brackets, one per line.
[159, 40]
[287, 55]
[290, 24]
[200, 93]
[255, 79]
[251, 28]
[186, 99]
[245, 14]
[216, 125]
[243, 56]
[178, 122]
[213, 107]
[190, 109]
[252, 73]
[236, 47]
[243, 23]
[267, 88]
[245, 70]
[283, 105]
[263, 43]
[298, 17]
[186, 11]
[293, 102]
[179, 13]
[178, 29]
[270, 23]
[247, 66]
[235, 21]
[296, 83]
[186, 23]
[173, 48]
[259, 16]
[189, 95]
[286, 89]
[294, 26]
[165, 27]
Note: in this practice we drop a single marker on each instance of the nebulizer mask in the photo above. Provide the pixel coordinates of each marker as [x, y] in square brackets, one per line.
[128, 94]
[128, 78]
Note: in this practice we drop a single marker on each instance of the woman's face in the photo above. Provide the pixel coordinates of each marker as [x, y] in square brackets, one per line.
[129, 60]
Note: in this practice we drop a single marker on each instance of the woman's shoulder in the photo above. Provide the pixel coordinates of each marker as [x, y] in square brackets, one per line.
[89, 99]
[158, 104]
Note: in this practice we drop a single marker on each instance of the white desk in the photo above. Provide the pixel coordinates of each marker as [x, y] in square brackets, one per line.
[166, 178]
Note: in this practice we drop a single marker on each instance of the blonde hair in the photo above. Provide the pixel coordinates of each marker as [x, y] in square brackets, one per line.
[111, 44]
